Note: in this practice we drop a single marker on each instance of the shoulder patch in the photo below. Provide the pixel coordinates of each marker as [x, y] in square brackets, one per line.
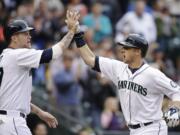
[173, 84]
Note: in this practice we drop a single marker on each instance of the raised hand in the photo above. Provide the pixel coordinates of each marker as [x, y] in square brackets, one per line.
[72, 20]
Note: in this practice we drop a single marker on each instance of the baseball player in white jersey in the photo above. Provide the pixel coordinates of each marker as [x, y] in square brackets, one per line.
[141, 88]
[16, 62]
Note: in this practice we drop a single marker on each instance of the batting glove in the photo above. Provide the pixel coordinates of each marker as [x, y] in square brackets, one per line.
[172, 117]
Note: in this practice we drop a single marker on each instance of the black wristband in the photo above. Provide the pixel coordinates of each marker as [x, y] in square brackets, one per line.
[79, 39]
[96, 64]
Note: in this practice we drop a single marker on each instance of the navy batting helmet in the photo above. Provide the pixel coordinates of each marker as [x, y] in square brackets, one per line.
[14, 27]
[135, 41]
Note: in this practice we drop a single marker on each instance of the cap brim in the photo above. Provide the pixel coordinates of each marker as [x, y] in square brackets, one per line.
[126, 44]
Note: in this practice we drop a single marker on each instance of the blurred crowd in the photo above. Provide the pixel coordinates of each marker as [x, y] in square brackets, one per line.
[72, 86]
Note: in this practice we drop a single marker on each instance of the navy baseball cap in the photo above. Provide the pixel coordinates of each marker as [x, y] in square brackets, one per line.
[134, 41]
[16, 26]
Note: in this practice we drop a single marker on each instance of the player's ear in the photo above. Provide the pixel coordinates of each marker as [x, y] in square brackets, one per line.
[14, 38]
[137, 51]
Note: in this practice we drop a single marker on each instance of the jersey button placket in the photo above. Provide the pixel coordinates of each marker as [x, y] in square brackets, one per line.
[130, 79]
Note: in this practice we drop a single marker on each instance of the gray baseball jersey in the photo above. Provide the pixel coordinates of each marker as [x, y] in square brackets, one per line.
[16, 78]
[141, 93]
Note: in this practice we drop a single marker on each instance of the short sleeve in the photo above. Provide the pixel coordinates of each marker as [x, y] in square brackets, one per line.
[110, 67]
[168, 87]
[29, 57]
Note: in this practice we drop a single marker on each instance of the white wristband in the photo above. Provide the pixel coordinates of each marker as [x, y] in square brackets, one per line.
[57, 51]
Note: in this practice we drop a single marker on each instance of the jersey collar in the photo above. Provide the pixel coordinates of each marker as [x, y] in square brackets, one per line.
[139, 70]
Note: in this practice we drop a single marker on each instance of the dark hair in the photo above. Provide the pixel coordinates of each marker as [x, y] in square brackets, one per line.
[3, 45]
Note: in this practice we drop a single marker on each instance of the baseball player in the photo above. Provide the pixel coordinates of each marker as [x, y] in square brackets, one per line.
[16, 62]
[141, 88]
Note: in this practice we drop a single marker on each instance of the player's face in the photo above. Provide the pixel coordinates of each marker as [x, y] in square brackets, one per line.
[24, 40]
[129, 54]
[119, 52]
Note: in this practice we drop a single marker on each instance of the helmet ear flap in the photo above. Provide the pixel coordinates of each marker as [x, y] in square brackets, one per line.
[143, 52]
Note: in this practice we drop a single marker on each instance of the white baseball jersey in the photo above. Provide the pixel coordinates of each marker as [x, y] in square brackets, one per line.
[141, 93]
[16, 78]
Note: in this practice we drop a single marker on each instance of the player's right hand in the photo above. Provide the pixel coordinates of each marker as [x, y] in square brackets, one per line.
[48, 118]
[172, 117]
[72, 20]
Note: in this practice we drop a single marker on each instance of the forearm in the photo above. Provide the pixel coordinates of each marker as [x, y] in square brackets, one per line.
[59, 47]
[45, 116]
[85, 52]
[87, 55]
[66, 40]
[35, 109]
[174, 103]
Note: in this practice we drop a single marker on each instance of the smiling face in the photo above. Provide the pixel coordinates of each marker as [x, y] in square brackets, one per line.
[22, 39]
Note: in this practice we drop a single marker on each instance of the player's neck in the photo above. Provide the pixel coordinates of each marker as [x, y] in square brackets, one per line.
[136, 64]
[12, 45]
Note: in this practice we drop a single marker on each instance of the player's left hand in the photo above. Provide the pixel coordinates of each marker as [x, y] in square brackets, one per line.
[172, 117]
[49, 119]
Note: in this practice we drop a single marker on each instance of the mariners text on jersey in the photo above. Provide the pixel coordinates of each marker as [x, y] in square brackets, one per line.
[132, 86]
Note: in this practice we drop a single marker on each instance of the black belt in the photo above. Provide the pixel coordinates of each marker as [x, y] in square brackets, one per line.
[3, 112]
[139, 125]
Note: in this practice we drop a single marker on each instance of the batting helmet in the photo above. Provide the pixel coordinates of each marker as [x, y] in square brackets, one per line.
[16, 26]
[136, 41]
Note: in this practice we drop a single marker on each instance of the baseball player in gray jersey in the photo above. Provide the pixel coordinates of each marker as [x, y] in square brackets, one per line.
[16, 62]
[141, 88]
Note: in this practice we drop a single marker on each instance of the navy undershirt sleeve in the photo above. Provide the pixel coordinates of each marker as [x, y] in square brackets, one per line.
[46, 56]
[96, 65]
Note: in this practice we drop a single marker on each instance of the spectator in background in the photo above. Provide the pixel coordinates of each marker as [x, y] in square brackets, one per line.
[100, 24]
[164, 27]
[86, 131]
[48, 20]
[173, 6]
[79, 6]
[11, 4]
[161, 62]
[147, 8]
[111, 117]
[26, 11]
[56, 4]
[39, 42]
[95, 94]
[137, 21]
[40, 129]
[113, 8]
[69, 91]
[3, 17]
[97, 91]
